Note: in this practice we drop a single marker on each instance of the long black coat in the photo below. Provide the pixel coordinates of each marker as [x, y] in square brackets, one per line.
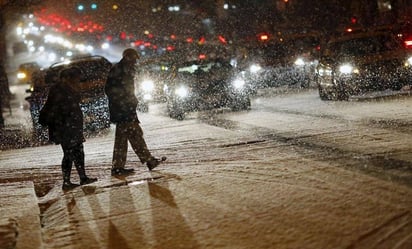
[63, 116]
[120, 91]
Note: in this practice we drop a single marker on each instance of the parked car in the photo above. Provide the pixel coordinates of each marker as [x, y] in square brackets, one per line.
[94, 102]
[361, 62]
[25, 72]
[205, 84]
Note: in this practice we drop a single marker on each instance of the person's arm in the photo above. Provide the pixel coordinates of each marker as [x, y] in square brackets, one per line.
[55, 110]
[113, 82]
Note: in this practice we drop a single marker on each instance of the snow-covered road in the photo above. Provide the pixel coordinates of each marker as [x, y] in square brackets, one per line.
[294, 172]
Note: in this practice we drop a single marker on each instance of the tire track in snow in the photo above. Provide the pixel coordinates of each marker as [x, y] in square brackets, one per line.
[393, 233]
[376, 163]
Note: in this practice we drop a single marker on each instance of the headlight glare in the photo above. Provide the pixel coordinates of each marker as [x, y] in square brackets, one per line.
[255, 68]
[147, 85]
[239, 83]
[299, 62]
[409, 61]
[346, 69]
[21, 75]
[182, 91]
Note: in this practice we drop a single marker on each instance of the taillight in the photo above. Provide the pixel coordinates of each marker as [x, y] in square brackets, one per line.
[222, 39]
[263, 37]
[408, 43]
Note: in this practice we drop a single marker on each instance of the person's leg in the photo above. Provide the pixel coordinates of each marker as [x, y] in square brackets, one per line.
[120, 151]
[1, 113]
[136, 139]
[120, 146]
[78, 158]
[67, 163]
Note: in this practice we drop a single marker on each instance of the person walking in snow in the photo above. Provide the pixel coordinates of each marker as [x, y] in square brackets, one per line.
[4, 93]
[64, 119]
[120, 90]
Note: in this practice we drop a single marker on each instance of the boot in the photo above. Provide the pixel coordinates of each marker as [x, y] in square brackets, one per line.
[87, 180]
[121, 171]
[84, 179]
[153, 163]
[67, 184]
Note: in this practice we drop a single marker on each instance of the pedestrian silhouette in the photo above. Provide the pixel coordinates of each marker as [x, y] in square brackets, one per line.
[5, 94]
[64, 118]
[120, 91]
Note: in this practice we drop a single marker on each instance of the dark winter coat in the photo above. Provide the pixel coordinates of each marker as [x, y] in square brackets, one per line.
[5, 93]
[63, 116]
[120, 91]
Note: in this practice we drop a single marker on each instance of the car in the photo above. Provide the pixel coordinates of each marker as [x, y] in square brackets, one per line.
[260, 64]
[94, 103]
[205, 84]
[288, 60]
[363, 62]
[403, 31]
[149, 83]
[25, 71]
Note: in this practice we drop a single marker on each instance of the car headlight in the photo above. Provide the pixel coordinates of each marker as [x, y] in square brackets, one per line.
[299, 62]
[348, 69]
[147, 85]
[21, 75]
[182, 91]
[408, 62]
[238, 83]
[255, 68]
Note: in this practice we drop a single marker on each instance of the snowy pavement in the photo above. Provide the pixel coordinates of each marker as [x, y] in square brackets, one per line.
[219, 188]
[289, 175]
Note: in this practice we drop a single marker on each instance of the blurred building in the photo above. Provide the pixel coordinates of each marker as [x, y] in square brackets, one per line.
[381, 12]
